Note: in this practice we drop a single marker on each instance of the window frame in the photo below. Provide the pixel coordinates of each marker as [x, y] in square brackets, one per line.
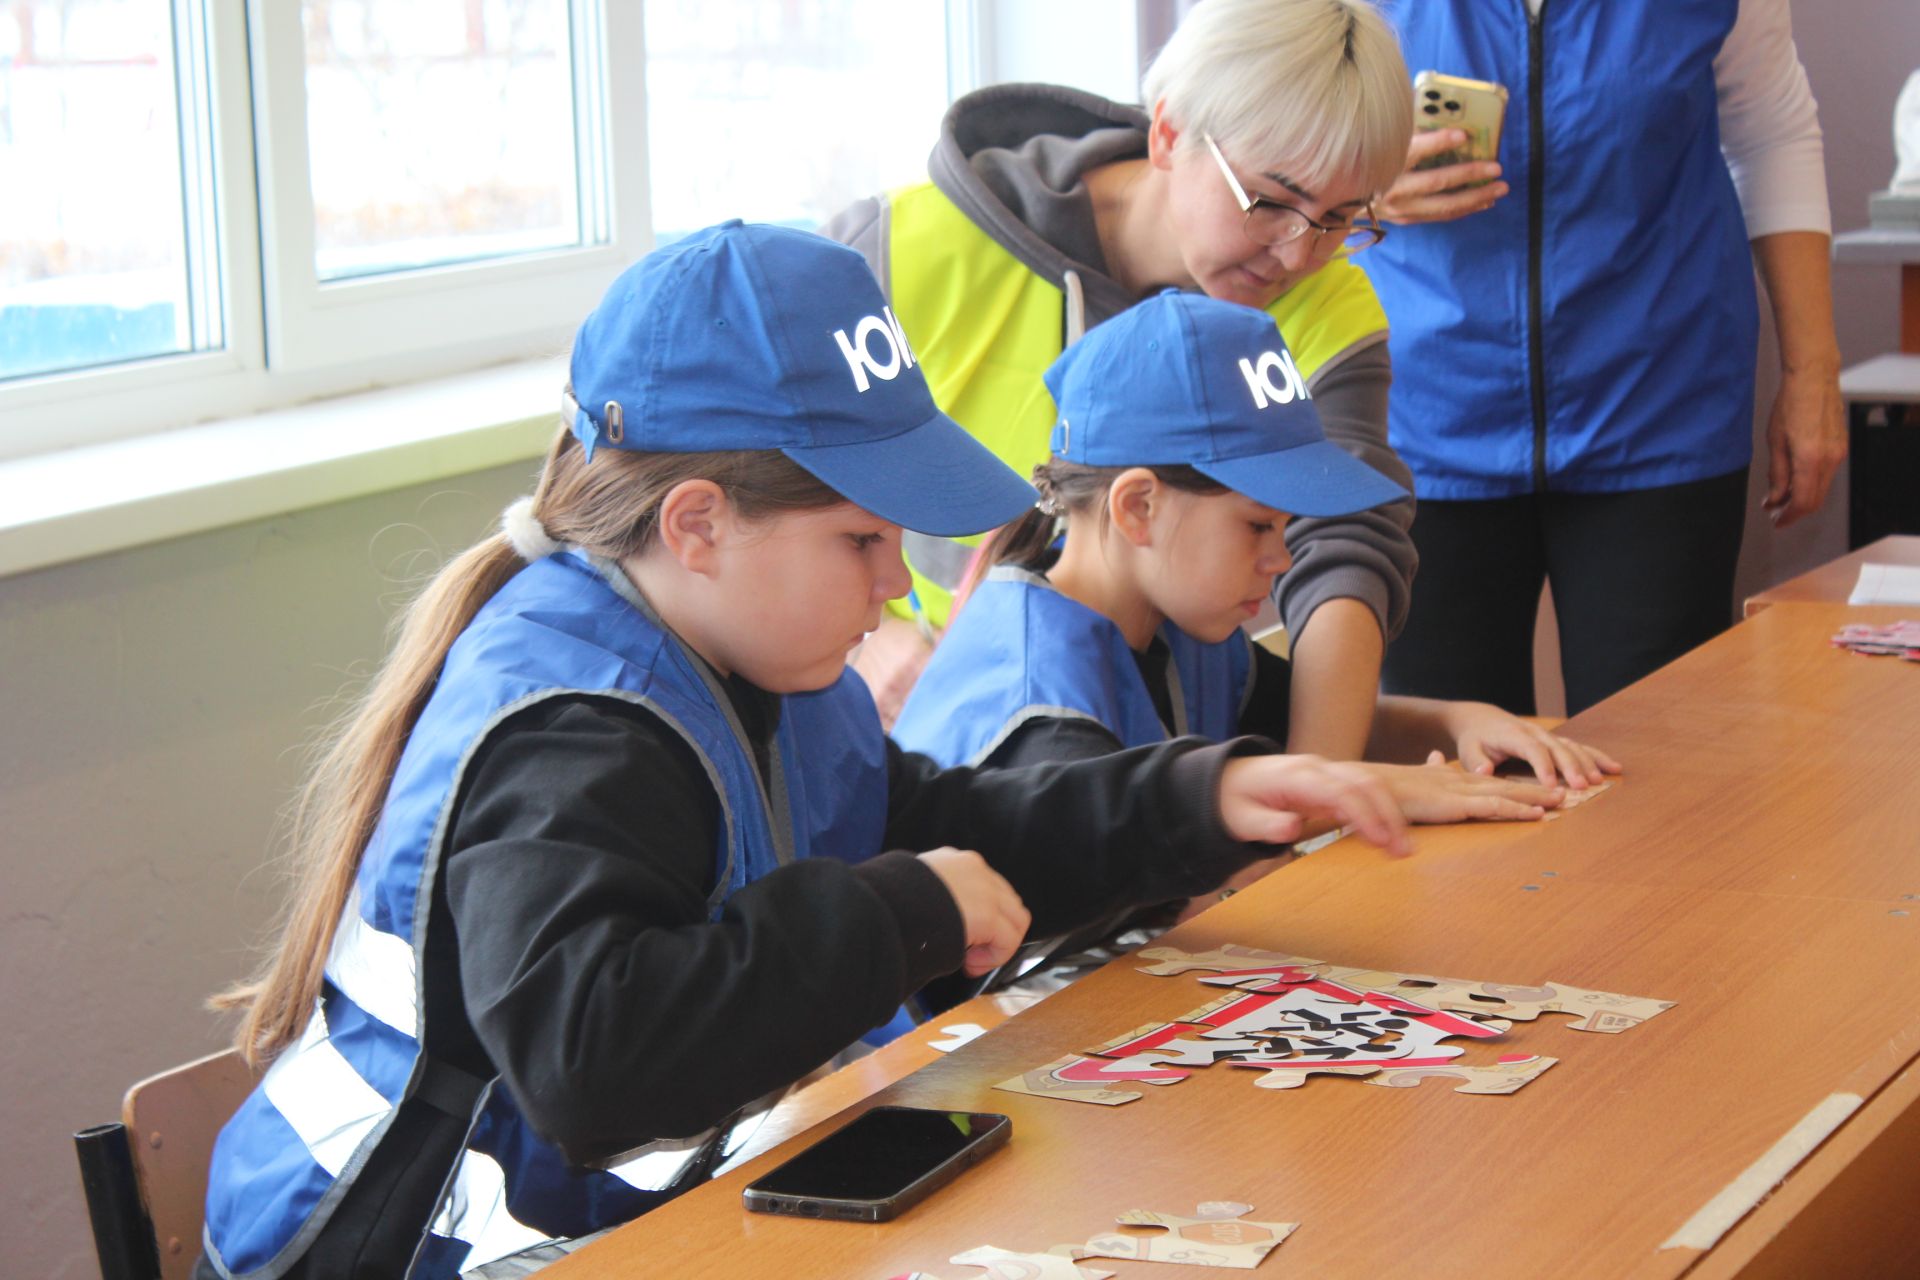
[288, 339]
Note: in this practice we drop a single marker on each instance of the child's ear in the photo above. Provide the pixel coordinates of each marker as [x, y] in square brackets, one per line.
[695, 517]
[1135, 498]
[1161, 137]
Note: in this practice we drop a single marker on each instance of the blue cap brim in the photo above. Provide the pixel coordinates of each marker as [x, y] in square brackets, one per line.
[933, 478]
[1316, 479]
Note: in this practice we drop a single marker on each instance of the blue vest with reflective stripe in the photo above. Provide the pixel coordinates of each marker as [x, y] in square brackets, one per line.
[1021, 651]
[1646, 315]
[560, 627]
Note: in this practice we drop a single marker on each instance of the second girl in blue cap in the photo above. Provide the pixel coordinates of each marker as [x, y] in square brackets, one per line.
[1185, 441]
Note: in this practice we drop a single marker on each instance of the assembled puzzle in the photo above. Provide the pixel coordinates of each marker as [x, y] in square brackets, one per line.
[1292, 1017]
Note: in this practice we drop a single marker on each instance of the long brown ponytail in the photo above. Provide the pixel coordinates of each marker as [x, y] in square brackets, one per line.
[609, 508]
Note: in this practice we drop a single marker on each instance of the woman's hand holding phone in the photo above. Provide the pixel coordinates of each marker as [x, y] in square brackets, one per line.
[1442, 194]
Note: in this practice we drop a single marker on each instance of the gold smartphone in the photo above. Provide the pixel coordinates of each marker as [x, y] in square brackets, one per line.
[1454, 102]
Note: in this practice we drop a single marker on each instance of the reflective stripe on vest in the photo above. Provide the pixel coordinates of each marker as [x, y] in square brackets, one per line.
[1022, 651]
[984, 328]
[560, 627]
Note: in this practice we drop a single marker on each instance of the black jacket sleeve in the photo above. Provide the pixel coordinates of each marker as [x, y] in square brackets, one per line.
[580, 859]
[579, 863]
[1080, 840]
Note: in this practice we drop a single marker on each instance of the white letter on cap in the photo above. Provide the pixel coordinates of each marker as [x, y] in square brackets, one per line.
[899, 335]
[1260, 379]
[860, 359]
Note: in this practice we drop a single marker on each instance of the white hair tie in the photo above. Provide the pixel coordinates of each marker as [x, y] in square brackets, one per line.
[524, 530]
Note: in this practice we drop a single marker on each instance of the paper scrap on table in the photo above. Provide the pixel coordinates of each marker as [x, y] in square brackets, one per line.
[957, 1034]
[1899, 639]
[1887, 584]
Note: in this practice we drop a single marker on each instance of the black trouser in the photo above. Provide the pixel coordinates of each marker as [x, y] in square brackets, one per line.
[1638, 579]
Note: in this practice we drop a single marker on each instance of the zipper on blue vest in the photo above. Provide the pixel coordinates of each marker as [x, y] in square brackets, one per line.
[1536, 217]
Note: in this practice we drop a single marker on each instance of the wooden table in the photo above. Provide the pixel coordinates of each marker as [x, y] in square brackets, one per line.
[1833, 581]
[1760, 865]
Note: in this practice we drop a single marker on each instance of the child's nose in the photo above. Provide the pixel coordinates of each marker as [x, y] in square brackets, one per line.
[891, 580]
[1277, 561]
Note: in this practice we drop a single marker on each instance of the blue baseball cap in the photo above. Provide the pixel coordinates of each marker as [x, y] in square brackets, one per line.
[760, 337]
[1182, 378]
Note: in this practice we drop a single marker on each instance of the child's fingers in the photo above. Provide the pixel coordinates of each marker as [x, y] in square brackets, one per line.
[1537, 750]
[1474, 757]
[1268, 797]
[1524, 793]
[1363, 802]
[993, 920]
[1577, 763]
[1602, 762]
[1502, 809]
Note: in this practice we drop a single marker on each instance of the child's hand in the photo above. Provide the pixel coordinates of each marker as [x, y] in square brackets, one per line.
[1484, 736]
[991, 913]
[1272, 798]
[1435, 792]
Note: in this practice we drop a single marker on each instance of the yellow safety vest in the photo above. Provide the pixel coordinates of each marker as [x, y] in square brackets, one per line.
[984, 327]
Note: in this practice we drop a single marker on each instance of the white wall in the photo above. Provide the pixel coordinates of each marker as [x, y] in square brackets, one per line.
[151, 709]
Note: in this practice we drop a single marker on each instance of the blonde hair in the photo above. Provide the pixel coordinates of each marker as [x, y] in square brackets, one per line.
[610, 508]
[1316, 85]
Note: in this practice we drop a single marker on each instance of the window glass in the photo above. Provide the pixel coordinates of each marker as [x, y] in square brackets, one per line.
[438, 131]
[93, 205]
[781, 112]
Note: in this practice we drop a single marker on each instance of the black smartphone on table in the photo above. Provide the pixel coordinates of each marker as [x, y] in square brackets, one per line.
[873, 1169]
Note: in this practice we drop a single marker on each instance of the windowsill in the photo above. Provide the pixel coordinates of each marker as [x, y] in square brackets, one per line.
[84, 502]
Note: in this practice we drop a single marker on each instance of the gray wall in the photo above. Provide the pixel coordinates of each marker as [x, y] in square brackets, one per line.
[154, 704]
[153, 701]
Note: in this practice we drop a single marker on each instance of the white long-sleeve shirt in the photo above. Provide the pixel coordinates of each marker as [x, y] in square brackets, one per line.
[1769, 123]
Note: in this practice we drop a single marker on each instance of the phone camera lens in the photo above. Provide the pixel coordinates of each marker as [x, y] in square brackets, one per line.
[1430, 109]
[1453, 106]
[1433, 95]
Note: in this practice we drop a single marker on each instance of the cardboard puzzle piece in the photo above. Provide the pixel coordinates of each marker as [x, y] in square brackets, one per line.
[1174, 961]
[1508, 1075]
[1221, 1236]
[1004, 1264]
[1574, 799]
[1247, 969]
[1166, 1043]
[1079, 1079]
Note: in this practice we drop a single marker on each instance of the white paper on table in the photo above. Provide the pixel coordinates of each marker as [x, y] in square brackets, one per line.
[1887, 584]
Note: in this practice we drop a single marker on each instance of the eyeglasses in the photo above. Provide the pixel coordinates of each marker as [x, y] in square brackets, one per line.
[1269, 222]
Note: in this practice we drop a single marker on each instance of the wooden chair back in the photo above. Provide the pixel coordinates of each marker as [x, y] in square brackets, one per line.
[172, 1119]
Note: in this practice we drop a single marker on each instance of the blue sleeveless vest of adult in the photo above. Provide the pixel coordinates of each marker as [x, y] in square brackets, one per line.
[561, 626]
[1021, 651]
[1594, 331]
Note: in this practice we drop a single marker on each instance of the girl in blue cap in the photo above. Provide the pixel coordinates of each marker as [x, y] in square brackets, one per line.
[601, 863]
[1185, 441]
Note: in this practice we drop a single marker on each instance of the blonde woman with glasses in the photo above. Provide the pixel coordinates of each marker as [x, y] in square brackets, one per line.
[1250, 175]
